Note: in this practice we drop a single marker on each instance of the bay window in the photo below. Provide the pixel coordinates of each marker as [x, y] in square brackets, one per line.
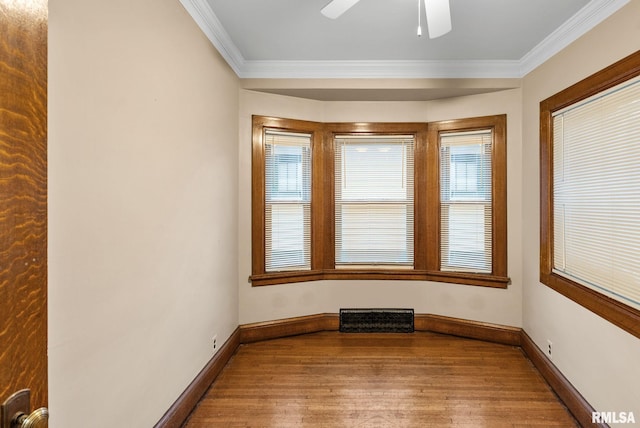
[411, 201]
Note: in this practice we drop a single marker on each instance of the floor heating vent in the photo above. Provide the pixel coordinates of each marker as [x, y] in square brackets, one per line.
[376, 320]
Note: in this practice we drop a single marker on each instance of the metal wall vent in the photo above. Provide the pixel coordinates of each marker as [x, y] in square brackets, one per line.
[376, 321]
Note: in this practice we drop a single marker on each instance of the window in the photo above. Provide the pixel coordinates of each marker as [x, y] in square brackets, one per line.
[373, 200]
[465, 203]
[409, 201]
[287, 201]
[590, 175]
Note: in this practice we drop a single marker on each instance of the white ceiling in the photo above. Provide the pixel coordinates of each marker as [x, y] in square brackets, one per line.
[267, 40]
[377, 38]
[295, 30]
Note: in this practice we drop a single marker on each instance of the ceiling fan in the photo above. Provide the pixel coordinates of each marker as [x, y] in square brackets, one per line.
[438, 14]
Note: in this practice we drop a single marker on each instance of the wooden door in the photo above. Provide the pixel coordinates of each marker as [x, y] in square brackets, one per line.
[23, 199]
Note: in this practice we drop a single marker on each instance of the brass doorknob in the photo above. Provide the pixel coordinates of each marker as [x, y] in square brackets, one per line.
[37, 419]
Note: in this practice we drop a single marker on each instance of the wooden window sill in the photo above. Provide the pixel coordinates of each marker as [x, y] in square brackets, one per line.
[463, 278]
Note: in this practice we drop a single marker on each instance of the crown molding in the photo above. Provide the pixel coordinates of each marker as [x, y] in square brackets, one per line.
[588, 17]
[581, 23]
[203, 15]
[380, 69]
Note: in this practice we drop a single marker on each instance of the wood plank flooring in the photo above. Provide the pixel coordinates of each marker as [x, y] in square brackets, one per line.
[332, 379]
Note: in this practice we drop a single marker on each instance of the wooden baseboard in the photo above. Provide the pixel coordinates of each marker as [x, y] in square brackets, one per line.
[288, 327]
[568, 394]
[423, 322]
[184, 405]
[488, 332]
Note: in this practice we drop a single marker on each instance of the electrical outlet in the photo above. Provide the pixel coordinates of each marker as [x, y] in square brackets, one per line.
[215, 341]
[549, 349]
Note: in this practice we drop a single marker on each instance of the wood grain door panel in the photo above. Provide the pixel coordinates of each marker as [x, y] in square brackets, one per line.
[23, 199]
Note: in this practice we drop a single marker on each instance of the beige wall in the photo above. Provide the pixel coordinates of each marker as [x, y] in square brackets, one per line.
[599, 359]
[143, 159]
[474, 303]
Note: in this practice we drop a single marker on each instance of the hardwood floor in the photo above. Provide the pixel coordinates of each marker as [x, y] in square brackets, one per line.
[332, 379]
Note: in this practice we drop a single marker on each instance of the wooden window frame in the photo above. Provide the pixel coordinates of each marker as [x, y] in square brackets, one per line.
[498, 125]
[616, 312]
[426, 201]
[260, 125]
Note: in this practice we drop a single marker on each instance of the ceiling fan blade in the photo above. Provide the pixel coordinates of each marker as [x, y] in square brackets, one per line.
[337, 7]
[438, 17]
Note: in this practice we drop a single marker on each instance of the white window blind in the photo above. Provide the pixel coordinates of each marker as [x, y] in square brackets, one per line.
[374, 200]
[287, 201]
[465, 202]
[596, 193]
